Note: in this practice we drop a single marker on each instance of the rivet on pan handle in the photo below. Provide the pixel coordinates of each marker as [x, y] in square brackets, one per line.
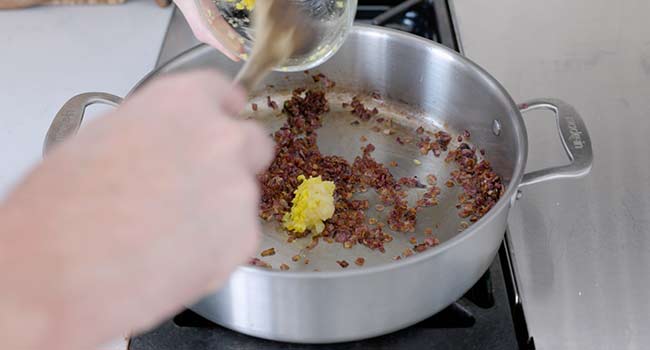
[69, 118]
[575, 140]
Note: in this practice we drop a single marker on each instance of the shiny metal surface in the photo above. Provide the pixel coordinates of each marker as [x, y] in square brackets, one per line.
[431, 86]
[581, 248]
[68, 120]
[574, 137]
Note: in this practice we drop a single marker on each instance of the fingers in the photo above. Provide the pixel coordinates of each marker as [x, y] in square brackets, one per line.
[233, 99]
[204, 102]
[226, 44]
[258, 147]
[216, 87]
[255, 146]
[206, 37]
[203, 87]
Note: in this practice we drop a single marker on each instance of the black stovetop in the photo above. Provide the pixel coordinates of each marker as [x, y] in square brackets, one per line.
[489, 316]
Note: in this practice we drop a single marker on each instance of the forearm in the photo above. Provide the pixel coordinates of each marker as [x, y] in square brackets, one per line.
[66, 270]
[29, 319]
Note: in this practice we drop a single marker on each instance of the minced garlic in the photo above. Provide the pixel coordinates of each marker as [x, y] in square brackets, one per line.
[243, 4]
[313, 203]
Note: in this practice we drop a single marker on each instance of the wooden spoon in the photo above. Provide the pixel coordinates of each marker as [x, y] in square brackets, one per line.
[281, 28]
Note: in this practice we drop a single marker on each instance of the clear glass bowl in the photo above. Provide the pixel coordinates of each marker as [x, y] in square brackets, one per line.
[230, 22]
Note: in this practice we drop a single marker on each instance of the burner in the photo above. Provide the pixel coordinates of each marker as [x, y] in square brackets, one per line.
[410, 16]
[489, 316]
[429, 19]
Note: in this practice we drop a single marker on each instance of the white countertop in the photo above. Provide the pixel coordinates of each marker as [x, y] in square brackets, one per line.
[581, 247]
[49, 54]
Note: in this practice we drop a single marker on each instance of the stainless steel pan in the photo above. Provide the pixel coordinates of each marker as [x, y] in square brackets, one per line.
[422, 84]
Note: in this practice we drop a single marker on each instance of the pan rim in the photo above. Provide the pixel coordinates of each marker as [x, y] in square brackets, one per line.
[503, 204]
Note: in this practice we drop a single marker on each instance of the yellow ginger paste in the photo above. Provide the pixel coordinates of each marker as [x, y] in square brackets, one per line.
[313, 203]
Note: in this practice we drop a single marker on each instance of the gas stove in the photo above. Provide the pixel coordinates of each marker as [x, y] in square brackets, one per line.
[489, 316]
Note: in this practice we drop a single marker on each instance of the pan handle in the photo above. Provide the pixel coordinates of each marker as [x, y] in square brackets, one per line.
[68, 120]
[575, 140]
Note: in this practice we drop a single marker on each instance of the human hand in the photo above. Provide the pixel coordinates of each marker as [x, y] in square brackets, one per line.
[222, 37]
[139, 214]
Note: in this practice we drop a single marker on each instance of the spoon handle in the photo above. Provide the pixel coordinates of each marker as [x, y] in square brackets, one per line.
[250, 75]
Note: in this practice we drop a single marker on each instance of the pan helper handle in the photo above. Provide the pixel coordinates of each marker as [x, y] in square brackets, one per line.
[68, 120]
[575, 140]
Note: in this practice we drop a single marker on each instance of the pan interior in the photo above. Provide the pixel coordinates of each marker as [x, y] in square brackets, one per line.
[342, 134]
